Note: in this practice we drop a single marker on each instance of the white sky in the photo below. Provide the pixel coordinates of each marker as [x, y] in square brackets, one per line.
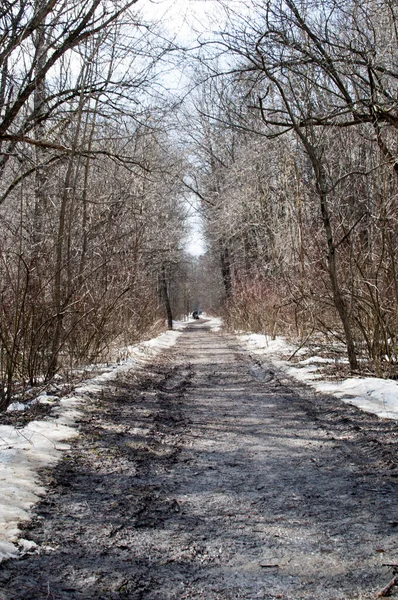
[195, 244]
[184, 19]
[181, 16]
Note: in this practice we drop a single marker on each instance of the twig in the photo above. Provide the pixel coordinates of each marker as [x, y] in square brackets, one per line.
[302, 344]
[123, 584]
[388, 588]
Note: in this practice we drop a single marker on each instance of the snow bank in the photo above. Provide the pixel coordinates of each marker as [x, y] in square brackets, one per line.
[371, 394]
[374, 395]
[22, 453]
[264, 344]
[215, 323]
[41, 443]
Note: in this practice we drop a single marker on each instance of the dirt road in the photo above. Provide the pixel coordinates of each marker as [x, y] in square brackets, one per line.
[205, 476]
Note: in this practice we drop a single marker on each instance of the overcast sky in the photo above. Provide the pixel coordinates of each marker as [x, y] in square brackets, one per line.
[184, 19]
[181, 17]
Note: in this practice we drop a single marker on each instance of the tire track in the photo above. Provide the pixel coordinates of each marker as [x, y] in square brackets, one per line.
[211, 476]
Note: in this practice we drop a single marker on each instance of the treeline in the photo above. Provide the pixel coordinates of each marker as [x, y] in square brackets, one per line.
[288, 141]
[296, 142]
[90, 187]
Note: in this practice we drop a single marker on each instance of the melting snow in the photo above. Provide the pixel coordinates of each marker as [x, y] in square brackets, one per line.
[41, 443]
[371, 394]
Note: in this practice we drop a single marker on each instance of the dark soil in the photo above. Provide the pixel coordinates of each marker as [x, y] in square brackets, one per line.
[204, 476]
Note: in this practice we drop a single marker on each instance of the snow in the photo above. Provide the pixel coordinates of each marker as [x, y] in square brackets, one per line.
[371, 394]
[317, 360]
[264, 344]
[22, 453]
[378, 396]
[41, 443]
[214, 323]
[15, 406]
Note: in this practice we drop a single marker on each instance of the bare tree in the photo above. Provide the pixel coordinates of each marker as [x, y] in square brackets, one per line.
[83, 182]
[307, 72]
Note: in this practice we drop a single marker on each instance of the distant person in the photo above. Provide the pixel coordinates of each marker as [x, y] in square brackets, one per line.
[195, 314]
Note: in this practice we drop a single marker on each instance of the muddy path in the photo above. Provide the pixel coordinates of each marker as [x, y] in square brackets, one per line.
[206, 476]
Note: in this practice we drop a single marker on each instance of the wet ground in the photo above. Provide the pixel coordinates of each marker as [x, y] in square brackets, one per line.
[204, 476]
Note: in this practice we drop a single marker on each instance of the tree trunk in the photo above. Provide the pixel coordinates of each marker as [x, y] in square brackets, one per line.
[39, 107]
[165, 292]
[226, 270]
[338, 297]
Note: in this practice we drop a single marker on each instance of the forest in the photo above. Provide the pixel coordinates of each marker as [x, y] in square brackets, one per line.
[281, 134]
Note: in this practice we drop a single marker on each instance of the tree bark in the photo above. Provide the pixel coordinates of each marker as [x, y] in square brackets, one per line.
[226, 270]
[165, 292]
[338, 297]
